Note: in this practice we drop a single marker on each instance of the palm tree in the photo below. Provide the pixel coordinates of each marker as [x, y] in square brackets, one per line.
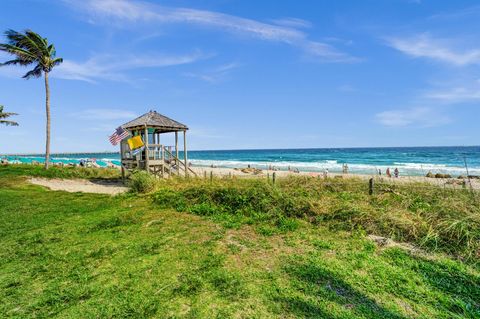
[30, 48]
[4, 116]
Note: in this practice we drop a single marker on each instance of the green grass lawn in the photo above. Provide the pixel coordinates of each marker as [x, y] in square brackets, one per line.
[73, 255]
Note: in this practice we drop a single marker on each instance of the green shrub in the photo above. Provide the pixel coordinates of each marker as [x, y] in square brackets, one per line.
[142, 182]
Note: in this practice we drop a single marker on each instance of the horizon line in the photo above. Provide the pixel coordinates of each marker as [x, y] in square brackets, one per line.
[247, 149]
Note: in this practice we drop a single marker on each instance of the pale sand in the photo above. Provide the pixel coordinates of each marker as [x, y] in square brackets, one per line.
[81, 185]
[230, 172]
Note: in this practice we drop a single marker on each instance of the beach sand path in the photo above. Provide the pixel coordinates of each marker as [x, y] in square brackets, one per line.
[81, 185]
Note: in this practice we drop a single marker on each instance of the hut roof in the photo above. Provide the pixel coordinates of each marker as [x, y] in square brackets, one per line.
[155, 120]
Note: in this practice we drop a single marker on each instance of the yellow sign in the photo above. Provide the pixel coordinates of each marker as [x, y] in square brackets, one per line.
[135, 142]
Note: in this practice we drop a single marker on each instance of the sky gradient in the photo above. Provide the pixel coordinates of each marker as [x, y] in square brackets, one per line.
[250, 74]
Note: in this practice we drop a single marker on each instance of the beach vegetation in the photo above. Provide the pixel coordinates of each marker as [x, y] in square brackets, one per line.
[65, 172]
[142, 182]
[237, 248]
[428, 216]
[29, 48]
[4, 116]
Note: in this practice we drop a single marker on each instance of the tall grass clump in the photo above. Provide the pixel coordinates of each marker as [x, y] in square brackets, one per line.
[251, 201]
[142, 182]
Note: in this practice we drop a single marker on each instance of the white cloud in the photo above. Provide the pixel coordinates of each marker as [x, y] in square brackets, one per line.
[425, 46]
[455, 91]
[455, 95]
[100, 114]
[419, 116]
[111, 67]
[214, 75]
[293, 23]
[127, 11]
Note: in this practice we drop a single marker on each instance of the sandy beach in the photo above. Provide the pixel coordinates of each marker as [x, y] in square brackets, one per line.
[249, 173]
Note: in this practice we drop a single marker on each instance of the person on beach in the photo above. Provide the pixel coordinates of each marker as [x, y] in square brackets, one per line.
[388, 173]
[396, 172]
[325, 173]
[379, 172]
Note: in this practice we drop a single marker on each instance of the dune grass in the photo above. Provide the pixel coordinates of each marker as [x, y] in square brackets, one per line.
[244, 255]
[59, 172]
[431, 217]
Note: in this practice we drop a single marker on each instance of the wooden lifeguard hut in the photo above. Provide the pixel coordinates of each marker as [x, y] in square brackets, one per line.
[155, 158]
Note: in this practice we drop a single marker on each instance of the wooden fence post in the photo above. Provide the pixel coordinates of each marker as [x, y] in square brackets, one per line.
[205, 174]
[274, 178]
[211, 176]
[371, 186]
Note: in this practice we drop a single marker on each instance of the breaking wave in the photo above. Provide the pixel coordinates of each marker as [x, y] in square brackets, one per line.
[419, 169]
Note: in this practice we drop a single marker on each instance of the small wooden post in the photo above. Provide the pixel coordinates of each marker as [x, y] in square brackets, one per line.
[159, 142]
[147, 159]
[371, 186]
[163, 160]
[185, 152]
[122, 151]
[176, 153]
[274, 178]
[211, 176]
[205, 174]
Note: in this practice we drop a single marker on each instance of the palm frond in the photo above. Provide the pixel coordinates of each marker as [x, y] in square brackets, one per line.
[8, 123]
[15, 62]
[22, 41]
[35, 73]
[40, 43]
[30, 48]
[19, 52]
[7, 115]
[57, 61]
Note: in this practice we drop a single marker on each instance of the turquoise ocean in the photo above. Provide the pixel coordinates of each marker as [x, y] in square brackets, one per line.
[412, 161]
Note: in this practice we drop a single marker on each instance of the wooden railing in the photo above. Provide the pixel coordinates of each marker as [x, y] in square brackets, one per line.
[160, 157]
[178, 162]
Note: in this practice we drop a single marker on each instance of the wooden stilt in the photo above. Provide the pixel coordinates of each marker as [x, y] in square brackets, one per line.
[185, 152]
[176, 153]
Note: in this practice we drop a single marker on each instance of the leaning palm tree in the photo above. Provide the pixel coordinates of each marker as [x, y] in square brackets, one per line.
[29, 48]
[4, 116]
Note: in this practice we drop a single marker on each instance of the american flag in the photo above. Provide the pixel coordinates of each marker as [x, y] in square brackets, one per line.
[118, 135]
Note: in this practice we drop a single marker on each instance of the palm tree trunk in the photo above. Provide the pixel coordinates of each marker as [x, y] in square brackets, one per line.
[47, 106]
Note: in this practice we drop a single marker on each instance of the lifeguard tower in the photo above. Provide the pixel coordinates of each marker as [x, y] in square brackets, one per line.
[156, 158]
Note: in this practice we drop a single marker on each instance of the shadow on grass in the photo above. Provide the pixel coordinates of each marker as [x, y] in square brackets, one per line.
[460, 287]
[316, 292]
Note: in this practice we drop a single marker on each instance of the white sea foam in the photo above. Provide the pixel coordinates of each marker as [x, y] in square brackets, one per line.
[334, 166]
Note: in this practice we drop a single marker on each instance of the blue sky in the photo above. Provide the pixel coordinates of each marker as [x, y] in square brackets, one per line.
[251, 74]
